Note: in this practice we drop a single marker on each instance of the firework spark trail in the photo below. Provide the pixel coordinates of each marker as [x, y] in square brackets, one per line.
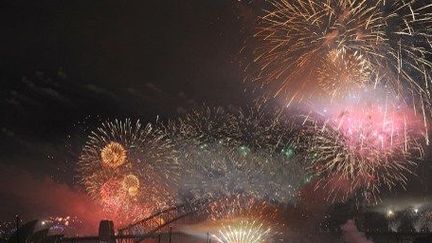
[243, 231]
[241, 205]
[204, 125]
[202, 137]
[268, 134]
[295, 36]
[216, 171]
[243, 218]
[341, 74]
[129, 169]
[230, 152]
[365, 145]
[308, 48]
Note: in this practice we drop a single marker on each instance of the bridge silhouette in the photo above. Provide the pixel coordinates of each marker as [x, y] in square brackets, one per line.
[160, 225]
[150, 227]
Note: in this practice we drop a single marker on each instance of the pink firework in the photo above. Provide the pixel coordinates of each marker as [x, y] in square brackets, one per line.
[368, 140]
[116, 201]
[373, 127]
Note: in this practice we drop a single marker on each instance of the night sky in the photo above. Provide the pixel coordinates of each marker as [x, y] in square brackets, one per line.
[66, 66]
[65, 63]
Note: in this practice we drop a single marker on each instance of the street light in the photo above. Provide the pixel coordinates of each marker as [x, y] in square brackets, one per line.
[390, 213]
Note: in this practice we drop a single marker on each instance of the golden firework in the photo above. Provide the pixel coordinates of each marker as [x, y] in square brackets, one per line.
[131, 184]
[113, 155]
[341, 73]
[124, 167]
[294, 38]
[243, 231]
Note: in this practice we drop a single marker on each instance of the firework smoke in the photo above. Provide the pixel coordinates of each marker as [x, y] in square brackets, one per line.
[365, 142]
[351, 234]
[230, 152]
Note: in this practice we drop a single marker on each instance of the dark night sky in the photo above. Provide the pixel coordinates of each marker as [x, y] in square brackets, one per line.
[67, 65]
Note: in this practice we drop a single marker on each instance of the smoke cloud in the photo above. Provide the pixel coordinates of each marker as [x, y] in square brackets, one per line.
[36, 198]
[350, 233]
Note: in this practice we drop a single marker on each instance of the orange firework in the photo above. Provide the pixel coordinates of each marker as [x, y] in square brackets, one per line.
[341, 73]
[131, 184]
[129, 169]
[113, 155]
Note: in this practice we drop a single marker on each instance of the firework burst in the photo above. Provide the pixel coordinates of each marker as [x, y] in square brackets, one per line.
[230, 152]
[261, 127]
[306, 47]
[243, 218]
[365, 146]
[342, 74]
[202, 126]
[217, 171]
[113, 155]
[243, 231]
[241, 206]
[128, 168]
